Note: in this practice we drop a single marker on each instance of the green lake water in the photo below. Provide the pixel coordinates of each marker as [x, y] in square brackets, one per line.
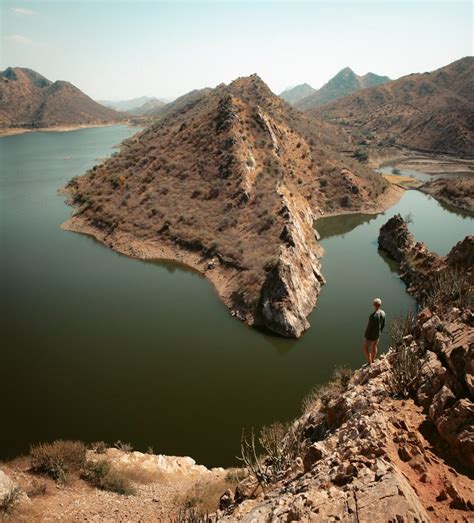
[98, 346]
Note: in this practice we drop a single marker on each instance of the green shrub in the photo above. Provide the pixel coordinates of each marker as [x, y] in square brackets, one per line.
[58, 459]
[104, 476]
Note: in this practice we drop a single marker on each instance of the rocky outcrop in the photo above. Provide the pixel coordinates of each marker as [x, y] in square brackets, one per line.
[445, 331]
[292, 286]
[419, 267]
[347, 473]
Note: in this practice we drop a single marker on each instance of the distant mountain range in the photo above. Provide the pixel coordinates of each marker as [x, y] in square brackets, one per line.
[429, 110]
[140, 106]
[345, 82]
[29, 100]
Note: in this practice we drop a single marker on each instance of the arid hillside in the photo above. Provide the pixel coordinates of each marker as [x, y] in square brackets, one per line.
[345, 82]
[433, 111]
[230, 183]
[29, 100]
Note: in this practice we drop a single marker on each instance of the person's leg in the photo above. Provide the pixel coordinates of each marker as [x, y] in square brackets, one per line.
[373, 350]
[366, 350]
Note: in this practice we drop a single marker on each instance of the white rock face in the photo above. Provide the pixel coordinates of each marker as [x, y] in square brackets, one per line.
[155, 463]
[292, 287]
[6, 485]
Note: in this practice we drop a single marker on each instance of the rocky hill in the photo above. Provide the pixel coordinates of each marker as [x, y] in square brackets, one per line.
[345, 82]
[432, 111]
[148, 108]
[29, 100]
[230, 182]
[458, 192]
[297, 93]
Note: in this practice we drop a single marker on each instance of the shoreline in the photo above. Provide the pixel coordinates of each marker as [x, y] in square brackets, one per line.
[13, 131]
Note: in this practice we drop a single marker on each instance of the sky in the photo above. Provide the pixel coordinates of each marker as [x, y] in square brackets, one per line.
[116, 49]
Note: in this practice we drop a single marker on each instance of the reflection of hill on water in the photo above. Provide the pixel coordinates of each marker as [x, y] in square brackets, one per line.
[337, 225]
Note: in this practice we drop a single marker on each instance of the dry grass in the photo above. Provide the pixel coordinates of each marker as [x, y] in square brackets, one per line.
[319, 396]
[203, 496]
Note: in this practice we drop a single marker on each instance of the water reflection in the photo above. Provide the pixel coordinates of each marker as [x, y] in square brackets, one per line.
[341, 225]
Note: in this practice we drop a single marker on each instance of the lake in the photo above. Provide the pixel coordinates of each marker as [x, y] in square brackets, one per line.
[98, 346]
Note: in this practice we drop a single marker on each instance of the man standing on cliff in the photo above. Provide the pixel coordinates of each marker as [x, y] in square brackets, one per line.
[373, 331]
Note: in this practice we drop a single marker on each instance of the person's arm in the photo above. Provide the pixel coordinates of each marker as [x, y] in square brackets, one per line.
[382, 324]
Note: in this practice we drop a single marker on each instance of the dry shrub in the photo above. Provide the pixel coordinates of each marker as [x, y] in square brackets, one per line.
[99, 447]
[58, 459]
[401, 326]
[405, 372]
[280, 445]
[202, 497]
[124, 447]
[103, 475]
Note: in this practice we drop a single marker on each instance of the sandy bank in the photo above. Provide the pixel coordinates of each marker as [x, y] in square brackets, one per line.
[57, 128]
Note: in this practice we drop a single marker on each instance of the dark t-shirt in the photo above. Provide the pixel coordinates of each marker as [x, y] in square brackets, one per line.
[375, 326]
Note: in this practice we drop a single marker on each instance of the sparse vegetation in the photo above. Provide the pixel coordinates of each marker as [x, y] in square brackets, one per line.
[319, 396]
[450, 288]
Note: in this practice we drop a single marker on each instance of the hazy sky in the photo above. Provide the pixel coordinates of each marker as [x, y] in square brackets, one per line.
[121, 49]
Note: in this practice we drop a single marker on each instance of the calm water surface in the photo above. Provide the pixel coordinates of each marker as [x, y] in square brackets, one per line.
[98, 346]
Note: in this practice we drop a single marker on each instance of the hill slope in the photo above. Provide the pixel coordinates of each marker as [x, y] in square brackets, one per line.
[297, 93]
[30, 100]
[230, 183]
[432, 111]
[149, 107]
[345, 82]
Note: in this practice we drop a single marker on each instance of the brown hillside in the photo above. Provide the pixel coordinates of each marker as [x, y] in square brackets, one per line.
[432, 111]
[345, 82]
[30, 100]
[230, 184]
